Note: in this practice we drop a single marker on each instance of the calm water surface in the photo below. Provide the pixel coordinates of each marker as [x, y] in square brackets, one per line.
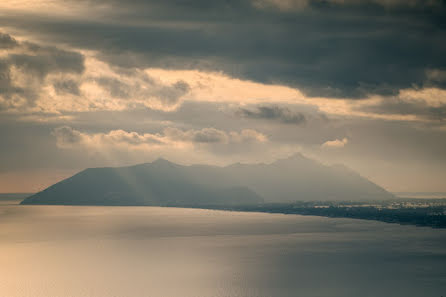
[64, 251]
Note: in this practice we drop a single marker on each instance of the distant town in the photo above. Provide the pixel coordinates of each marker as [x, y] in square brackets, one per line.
[423, 212]
[404, 211]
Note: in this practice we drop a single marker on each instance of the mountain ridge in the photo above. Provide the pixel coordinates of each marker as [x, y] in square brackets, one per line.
[163, 182]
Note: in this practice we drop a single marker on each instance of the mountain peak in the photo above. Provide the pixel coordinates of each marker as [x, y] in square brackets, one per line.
[158, 163]
[162, 161]
[293, 159]
[297, 156]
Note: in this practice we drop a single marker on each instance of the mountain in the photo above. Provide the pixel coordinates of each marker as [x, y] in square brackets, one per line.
[157, 183]
[165, 183]
[300, 178]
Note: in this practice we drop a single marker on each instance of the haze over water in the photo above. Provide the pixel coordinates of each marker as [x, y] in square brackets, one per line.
[54, 251]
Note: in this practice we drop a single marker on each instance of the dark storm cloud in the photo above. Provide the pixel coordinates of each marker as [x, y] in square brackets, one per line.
[40, 59]
[341, 48]
[50, 61]
[145, 88]
[418, 108]
[277, 113]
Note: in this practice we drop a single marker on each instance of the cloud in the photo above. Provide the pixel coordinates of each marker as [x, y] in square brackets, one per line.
[427, 104]
[389, 3]
[67, 137]
[433, 97]
[185, 146]
[46, 79]
[205, 135]
[139, 87]
[281, 114]
[66, 86]
[211, 86]
[24, 68]
[247, 135]
[7, 41]
[436, 75]
[212, 135]
[417, 110]
[283, 5]
[337, 143]
[343, 49]
[42, 61]
[293, 5]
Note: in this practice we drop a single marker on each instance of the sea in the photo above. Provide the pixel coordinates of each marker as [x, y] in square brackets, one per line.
[96, 251]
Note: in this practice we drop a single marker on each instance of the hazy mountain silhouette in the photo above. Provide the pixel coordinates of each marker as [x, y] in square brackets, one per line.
[165, 183]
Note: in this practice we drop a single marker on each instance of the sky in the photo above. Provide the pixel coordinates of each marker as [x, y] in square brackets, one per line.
[91, 83]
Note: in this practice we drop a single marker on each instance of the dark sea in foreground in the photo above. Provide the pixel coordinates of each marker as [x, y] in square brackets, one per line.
[94, 251]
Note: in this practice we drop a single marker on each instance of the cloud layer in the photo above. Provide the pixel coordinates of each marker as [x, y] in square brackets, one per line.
[49, 80]
[348, 48]
[53, 80]
[68, 137]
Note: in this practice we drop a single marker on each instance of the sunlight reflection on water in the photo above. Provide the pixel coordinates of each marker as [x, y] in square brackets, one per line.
[95, 251]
